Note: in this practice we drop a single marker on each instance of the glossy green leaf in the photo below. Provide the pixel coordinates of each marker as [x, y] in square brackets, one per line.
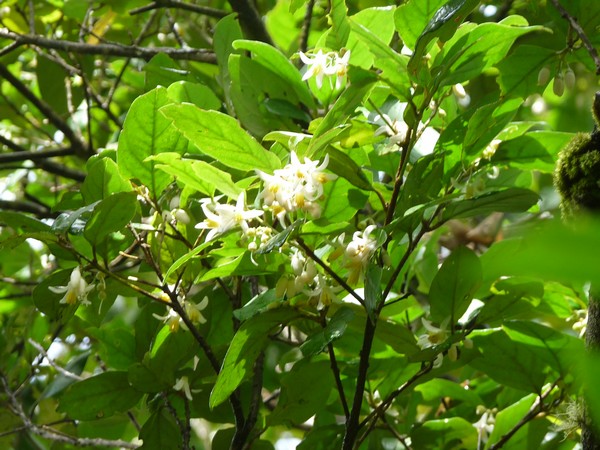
[340, 30]
[147, 132]
[508, 418]
[99, 396]
[518, 73]
[508, 362]
[437, 388]
[334, 329]
[220, 137]
[161, 70]
[257, 304]
[103, 179]
[508, 200]
[116, 346]
[453, 432]
[160, 432]
[198, 94]
[110, 215]
[279, 239]
[412, 17]
[197, 175]
[277, 63]
[303, 391]
[454, 285]
[249, 340]
[442, 25]
[536, 150]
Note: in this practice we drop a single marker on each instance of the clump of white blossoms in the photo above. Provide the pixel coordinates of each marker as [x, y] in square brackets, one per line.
[320, 65]
[485, 424]
[296, 187]
[76, 290]
[358, 252]
[192, 310]
[223, 217]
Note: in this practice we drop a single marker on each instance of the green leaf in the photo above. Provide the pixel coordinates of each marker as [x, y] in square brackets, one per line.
[334, 329]
[110, 215]
[279, 239]
[147, 132]
[475, 50]
[256, 305]
[412, 17]
[102, 180]
[182, 260]
[99, 396]
[161, 70]
[437, 388]
[454, 285]
[442, 25]
[61, 382]
[508, 362]
[558, 350]
[277, 63]
[449, 433]
[249, 340]
[506, 420]
[226, 32]
[537, 150]
[116, 346]
[51, 82]
[508, 200]
[196, 93]
[340, 30]
[518, 73]
[21, 222]
[160, 432]
[197, 175]
[303, 391]
[74, 220]
[347, 103]
[335, 211]
[220, 137]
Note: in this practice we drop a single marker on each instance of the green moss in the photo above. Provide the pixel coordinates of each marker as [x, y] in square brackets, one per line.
[577, 174]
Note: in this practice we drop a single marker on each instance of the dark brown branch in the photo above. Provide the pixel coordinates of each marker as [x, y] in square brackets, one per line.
[26, 207]
[43, 107]
[338, 380]
[250, 20]
[205, 10]
[17, 156]
[306, 26]
[60, 170]
[130, 51]
[580, 32]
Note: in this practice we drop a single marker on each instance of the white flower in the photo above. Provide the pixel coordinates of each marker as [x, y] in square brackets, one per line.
[358, 252]
[396, 129]
[76, 290]
[436, 336]
[317, 66]
[193, 311]
[326, 64]
[223, 217]
[485, 424]
[183, 384]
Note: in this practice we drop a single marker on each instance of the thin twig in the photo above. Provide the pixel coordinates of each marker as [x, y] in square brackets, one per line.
[23, 155]
[205, 10]
[131, 51]
[580, 32]
[305, 32]
[52, 363]
[51, 434]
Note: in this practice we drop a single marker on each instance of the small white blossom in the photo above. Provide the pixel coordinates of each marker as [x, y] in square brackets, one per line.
[193, 311]
[359, 251]
[183, 384]
[76, 290]
[485, 424]
[223, 217]
[322, 64]
[434, 336]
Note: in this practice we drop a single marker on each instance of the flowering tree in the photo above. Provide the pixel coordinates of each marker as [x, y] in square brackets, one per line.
[323, 224]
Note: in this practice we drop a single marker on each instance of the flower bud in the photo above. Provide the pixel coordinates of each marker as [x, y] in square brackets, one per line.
[559, 85]
[570, 78]
[543, 76]
[459, 90]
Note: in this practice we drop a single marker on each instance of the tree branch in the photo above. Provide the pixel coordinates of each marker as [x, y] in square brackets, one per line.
[53, 435]
[23, 155]
[26, 207]
[44, 108]
[205, 10]
[130, 51]
[305, 32]
[251, 21]
[580, 32]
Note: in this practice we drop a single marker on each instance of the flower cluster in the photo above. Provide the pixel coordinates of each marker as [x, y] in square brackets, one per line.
[327, 64]
[297, 186]
[76, 290]
[485, 424]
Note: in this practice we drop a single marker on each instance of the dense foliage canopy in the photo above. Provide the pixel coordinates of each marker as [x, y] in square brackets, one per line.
[256, 225]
